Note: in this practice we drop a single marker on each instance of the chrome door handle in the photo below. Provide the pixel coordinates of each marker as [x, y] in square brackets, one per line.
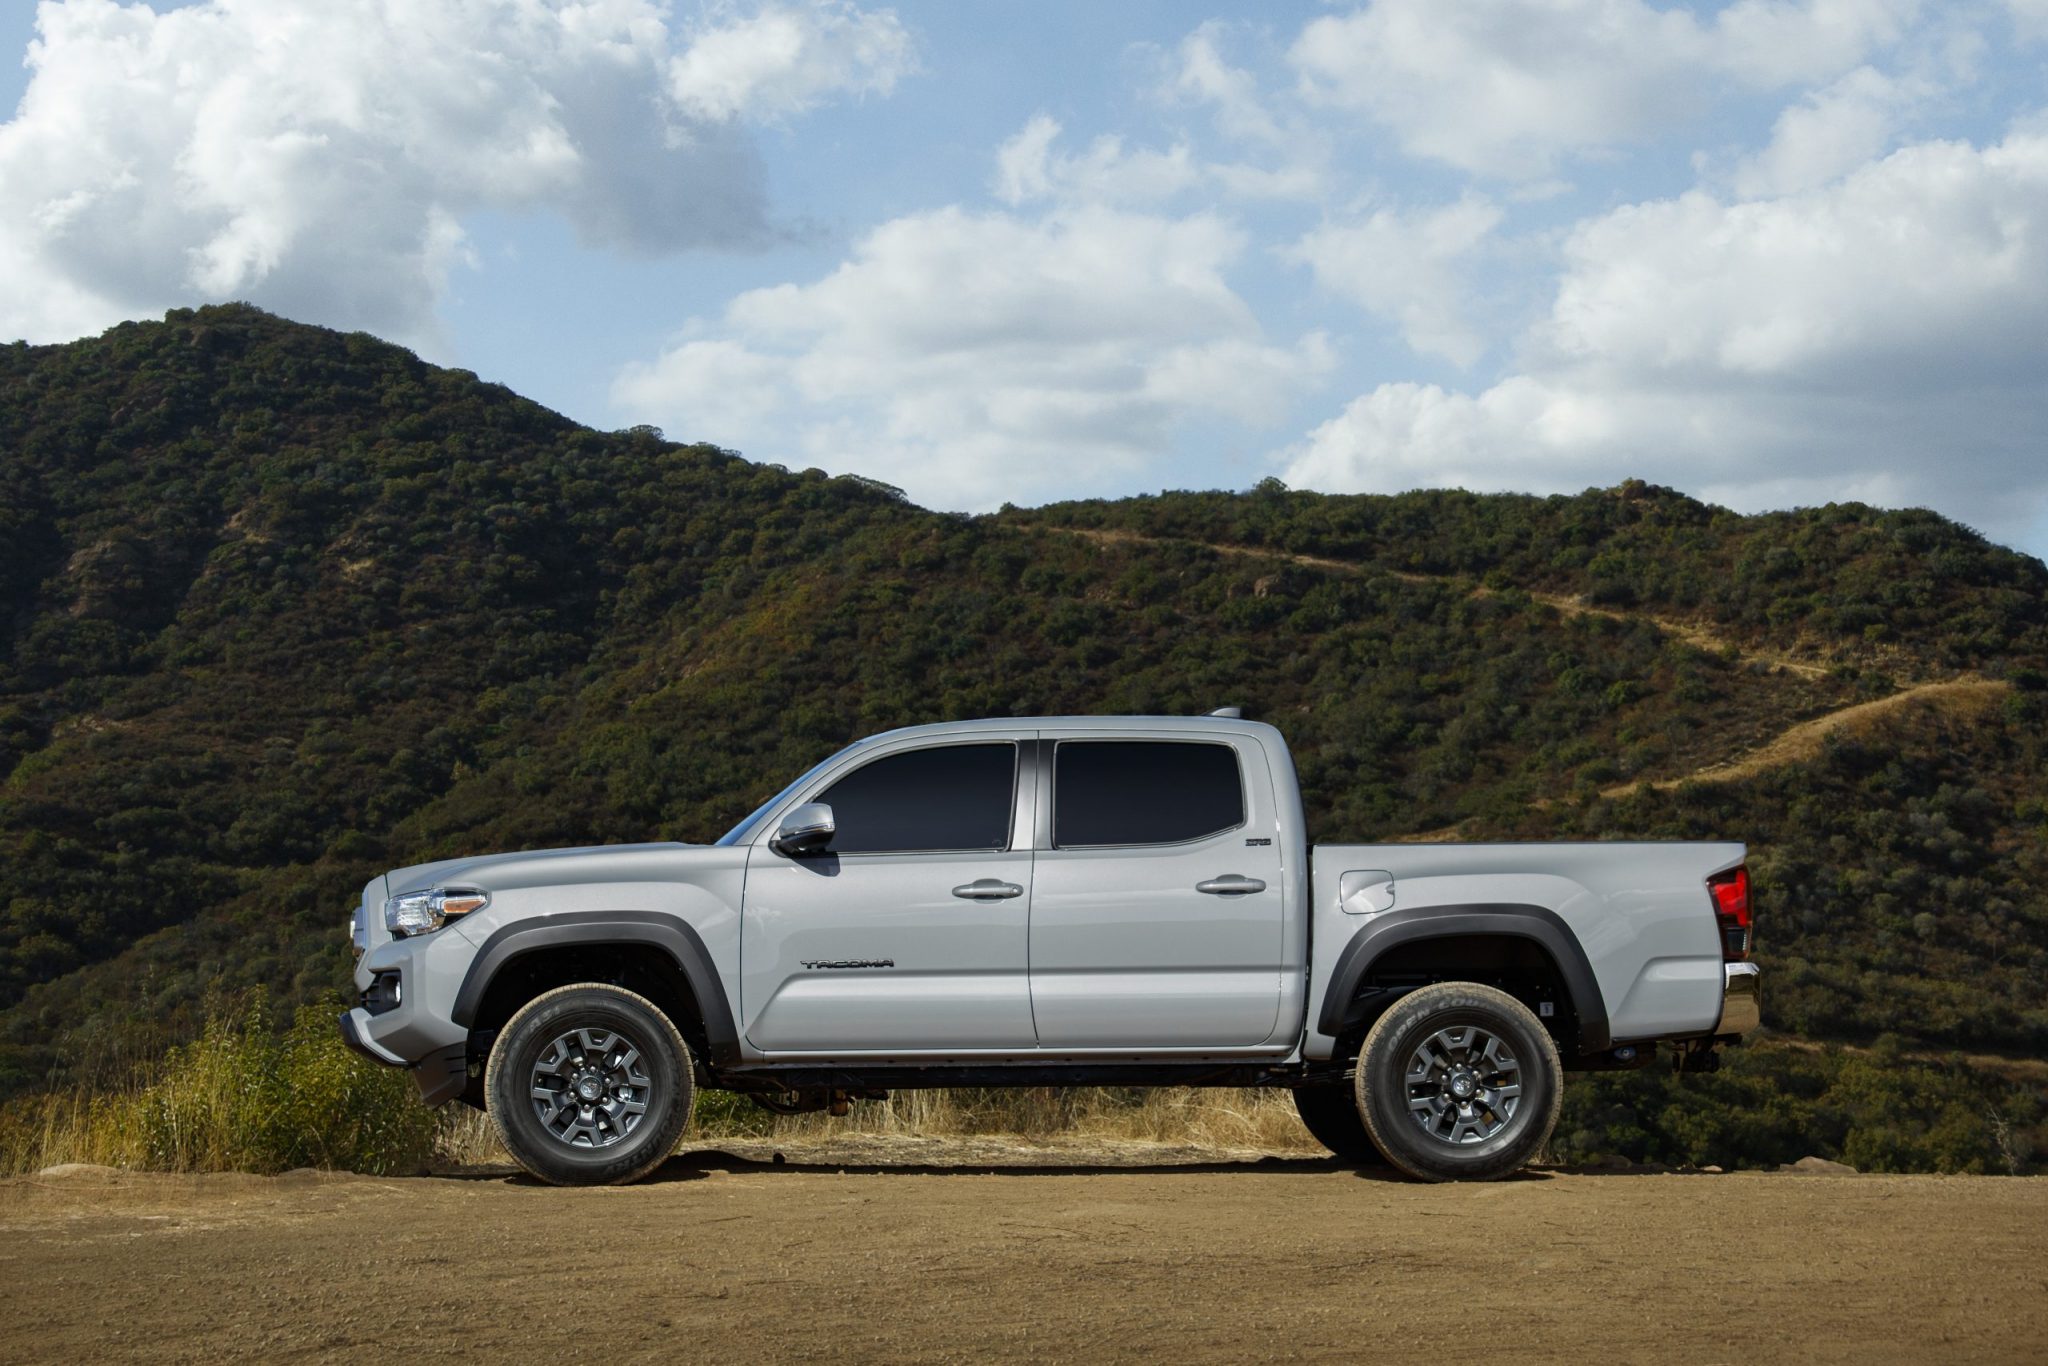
[1230, 884]
[988, 889]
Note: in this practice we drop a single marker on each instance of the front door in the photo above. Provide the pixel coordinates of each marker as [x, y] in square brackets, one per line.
[910, 933]
[1156, 914]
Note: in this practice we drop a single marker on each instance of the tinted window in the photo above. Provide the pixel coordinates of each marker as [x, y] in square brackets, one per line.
[1143, 792]
[953, 797]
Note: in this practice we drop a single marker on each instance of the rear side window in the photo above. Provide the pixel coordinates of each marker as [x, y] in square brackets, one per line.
[1112, 792]
[954, 797]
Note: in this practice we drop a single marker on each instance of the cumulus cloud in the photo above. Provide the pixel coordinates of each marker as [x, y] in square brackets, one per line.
[1883, 336]
[1828, 133]
[318, 156]
[1408, 266]
[979, 357]
[1029, 167]
[1507, 88]
[785, 59]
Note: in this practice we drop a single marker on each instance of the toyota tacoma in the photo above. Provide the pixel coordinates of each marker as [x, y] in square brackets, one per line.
[1067, 901]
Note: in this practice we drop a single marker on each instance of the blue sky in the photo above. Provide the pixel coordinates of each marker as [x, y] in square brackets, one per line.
[1775, 252]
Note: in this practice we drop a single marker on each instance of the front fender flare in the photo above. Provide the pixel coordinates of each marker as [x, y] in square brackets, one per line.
[1541, 926]
[580, 929]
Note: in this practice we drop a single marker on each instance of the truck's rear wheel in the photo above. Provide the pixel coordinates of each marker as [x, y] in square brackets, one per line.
[589, 1085]
[1330, 1113]
[1459, 1082]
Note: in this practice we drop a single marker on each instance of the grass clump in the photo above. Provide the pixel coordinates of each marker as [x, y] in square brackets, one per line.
[244, 1096]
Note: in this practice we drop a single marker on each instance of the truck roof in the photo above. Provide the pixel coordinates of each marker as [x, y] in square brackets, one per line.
[1164, 725]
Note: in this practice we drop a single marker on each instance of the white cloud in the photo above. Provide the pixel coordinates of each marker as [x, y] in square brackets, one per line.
[1828, 133]
[720, 386]
[318, 156]
[1930, 266]
[786, 58]
[1884, 336]
[1508, 87]
[1200, 74]
[1028, 168]
[978, 357]
[1408, 266]
[1278, 158]
[1773, 43]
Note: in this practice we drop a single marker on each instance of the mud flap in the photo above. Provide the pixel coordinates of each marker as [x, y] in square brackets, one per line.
[443, 1076]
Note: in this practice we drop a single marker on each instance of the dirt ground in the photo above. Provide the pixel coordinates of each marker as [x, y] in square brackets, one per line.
[939, 1250]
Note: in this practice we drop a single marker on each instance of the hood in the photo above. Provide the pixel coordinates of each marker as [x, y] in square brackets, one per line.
[535, 867]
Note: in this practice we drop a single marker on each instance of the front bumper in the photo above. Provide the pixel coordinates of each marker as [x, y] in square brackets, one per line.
[358, 1040]
[441, 1076]
[402, 1017]
[1741, 1000]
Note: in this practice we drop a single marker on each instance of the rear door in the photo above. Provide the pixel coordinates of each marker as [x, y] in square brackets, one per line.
[1156, 906]
[910, 933]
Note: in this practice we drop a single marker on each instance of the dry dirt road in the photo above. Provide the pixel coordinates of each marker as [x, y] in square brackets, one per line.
[937, 1251]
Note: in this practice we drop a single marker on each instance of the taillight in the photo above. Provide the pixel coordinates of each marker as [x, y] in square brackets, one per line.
[1731, 908]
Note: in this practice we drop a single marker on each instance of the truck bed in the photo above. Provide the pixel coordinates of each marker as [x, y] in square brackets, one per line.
[1640, 913]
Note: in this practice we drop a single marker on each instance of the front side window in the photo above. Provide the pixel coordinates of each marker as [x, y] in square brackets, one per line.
[1120, 792]
[951, 798]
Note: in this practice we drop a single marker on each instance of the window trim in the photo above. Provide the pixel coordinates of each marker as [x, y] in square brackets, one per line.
[1017, 775]
[1052, 789]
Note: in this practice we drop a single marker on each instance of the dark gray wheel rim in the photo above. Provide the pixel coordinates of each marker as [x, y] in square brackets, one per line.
[589, 1087]
[1463, 1084]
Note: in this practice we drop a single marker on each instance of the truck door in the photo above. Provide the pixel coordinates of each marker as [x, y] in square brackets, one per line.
[909, 934]
[1156, 907]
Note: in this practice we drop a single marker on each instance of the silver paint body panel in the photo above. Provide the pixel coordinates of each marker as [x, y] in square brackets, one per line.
[1641, 912]
[1125, 953]
[957, 970]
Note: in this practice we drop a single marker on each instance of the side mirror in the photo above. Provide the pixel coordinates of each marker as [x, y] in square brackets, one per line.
[806, 830]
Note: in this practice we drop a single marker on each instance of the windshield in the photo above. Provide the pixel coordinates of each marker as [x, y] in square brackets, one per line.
[744, 831]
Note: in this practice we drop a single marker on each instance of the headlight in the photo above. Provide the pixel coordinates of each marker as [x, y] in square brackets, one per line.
[425, 911]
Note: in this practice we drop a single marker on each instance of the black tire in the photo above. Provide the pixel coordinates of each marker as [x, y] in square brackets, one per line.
[1330, 1113]
[629, 1056]
[1434, 1078]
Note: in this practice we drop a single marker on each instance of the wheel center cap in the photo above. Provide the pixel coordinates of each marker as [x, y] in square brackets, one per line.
[1462, 1086]
[589, 1089]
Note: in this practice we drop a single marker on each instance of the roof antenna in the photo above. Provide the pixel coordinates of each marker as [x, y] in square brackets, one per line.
[1229, 713]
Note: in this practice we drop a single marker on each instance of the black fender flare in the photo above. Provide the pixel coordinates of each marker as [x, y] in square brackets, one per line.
[1543, 927]
[673, 936]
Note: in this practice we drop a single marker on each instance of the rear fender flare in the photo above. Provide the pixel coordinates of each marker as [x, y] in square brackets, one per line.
[1541, 926]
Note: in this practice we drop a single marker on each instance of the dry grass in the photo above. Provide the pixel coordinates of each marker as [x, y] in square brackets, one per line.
[241, 1097]
[1220, 1118]
[246, 1096]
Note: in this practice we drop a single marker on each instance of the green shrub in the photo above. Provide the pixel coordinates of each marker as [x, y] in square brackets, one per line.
[240, 1097]
[1880, 1109]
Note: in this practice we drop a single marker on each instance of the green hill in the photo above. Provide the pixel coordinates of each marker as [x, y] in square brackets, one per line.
[286, 607]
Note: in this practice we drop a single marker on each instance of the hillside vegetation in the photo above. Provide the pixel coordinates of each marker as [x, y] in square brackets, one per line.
[286, 607]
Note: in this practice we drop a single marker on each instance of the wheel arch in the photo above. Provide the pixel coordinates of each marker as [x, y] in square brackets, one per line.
[523, 958]
[1387, 939]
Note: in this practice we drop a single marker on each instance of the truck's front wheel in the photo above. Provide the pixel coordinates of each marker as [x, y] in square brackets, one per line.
[1459, 1082]
[589, 1085]
[1330, 1113]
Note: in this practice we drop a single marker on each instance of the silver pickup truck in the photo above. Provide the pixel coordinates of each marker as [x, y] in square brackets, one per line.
[1061, 901]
